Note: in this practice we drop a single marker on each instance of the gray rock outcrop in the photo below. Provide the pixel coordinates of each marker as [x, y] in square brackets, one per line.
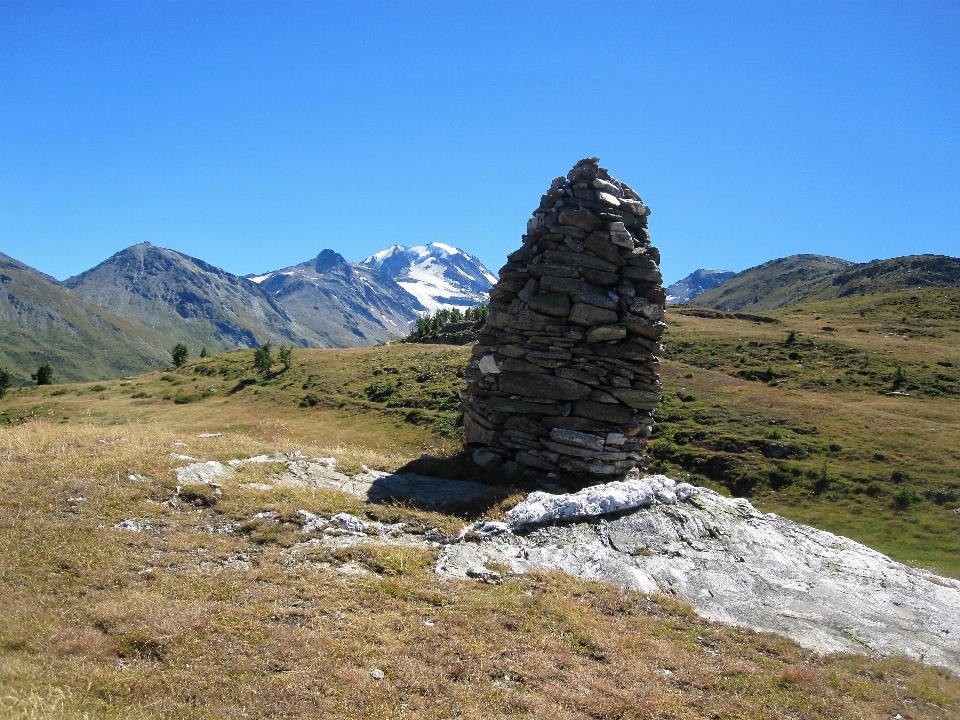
[733, 564]
[564, 376]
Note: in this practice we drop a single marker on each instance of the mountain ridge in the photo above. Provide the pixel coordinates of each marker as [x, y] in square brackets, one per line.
[696, 283]
[800, 278]
[345, 304]
[144, 298]
[41, 321]
[186, 299]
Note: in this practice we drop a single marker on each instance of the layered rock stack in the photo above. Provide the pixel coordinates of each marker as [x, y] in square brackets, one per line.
[564, 377]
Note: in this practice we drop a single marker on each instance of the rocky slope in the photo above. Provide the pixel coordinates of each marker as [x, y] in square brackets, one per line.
[40, 321]
[188, 300]
[696, 283]
[438, 275]
[655, 535]
[810, 278]
[344, 304]
[773, 284]
[731, 563]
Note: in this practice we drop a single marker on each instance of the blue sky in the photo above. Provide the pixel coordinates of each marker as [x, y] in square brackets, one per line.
[255, 134]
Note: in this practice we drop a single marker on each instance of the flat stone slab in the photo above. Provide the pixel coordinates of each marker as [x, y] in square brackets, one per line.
[734, 564]
[377, 487]
[368, 485]
[199, 473]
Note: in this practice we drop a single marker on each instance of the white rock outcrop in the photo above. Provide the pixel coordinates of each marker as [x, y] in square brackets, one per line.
[539, 507]
[729, 562]
[203, 472]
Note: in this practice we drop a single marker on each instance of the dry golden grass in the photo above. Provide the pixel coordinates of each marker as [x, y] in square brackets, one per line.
[225, 395]
[167, 622]
[181, 621]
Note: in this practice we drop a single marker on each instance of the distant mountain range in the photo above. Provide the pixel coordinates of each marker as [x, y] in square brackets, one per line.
[185, 299]
[695, 284]
[336, 303]
[42, 321]
[122, 316]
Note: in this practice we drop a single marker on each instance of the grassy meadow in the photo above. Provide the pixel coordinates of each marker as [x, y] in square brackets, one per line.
[185, 620]
[844, 415]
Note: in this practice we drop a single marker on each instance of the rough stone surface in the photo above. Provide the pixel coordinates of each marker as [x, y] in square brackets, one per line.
[203, 473]
[377, 486]
[728, 561]
[540, 508]
[732, 564]
[585, 286]
[487, 458]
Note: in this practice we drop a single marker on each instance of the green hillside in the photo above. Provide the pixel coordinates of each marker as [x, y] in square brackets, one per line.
[843, 414]
[808, 278]
[40, 321]
[804, 423]
[771, 285]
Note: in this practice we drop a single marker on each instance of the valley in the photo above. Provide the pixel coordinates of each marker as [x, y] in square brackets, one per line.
[123, 316]
[841, 414]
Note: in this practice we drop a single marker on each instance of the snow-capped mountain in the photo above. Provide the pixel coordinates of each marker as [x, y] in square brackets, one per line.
[696, 283]
[346, 304]
[438, 275]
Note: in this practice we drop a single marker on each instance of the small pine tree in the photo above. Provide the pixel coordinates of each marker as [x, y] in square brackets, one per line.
[285, 355]
[431, 326]
[899, 377]
[263, 359]
[43, 375]
[823, 480]
[792, 337]
[204, 353]
[179, 354]
[6, 379]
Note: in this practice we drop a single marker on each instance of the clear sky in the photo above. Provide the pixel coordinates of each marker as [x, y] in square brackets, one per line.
[255, 134]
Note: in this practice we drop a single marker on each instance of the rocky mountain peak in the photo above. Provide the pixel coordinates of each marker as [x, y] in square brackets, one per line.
[696, 283]
[329, 259]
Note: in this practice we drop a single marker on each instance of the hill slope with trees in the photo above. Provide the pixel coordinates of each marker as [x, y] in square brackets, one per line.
[42, 322]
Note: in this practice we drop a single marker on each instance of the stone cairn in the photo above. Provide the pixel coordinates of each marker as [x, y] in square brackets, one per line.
[564, 376]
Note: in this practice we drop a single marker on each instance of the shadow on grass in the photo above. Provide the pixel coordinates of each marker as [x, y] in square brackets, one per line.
[242, 384]
[453, 486]
[467, 490]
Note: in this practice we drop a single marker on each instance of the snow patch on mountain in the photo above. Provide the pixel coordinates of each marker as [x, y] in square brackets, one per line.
[346, 304]
[696, 283]
[438, 275]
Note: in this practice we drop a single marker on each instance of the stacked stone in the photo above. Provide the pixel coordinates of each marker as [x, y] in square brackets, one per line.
[564, 377]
